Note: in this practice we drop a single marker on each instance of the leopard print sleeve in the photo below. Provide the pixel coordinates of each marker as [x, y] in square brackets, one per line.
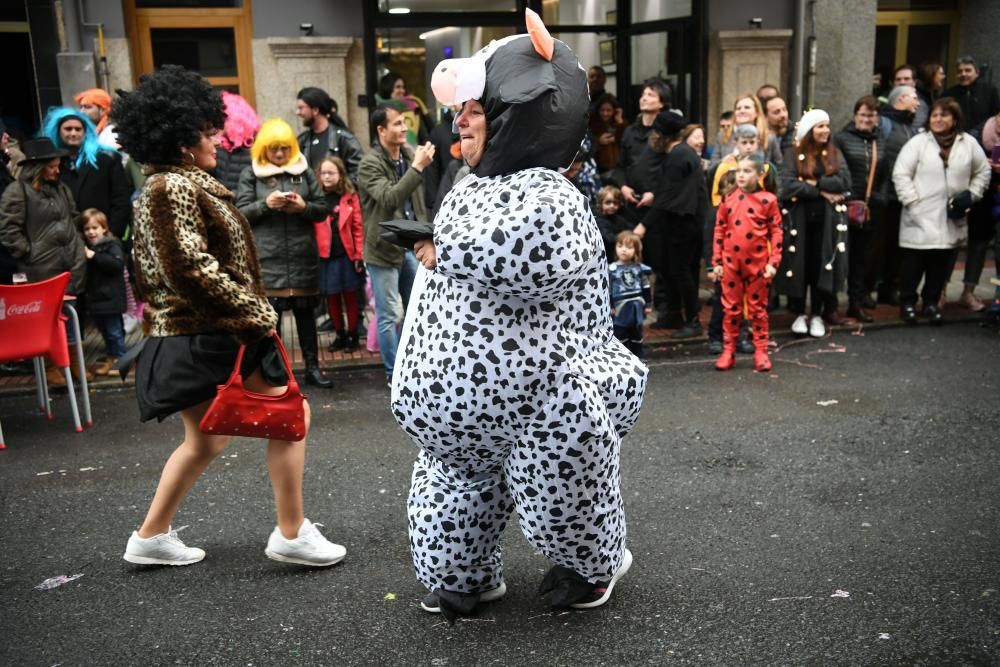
[206, 260]
[530, 235]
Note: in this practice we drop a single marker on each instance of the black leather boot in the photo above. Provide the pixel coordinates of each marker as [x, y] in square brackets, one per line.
[352, 343]
[339, 343]
[306, 326]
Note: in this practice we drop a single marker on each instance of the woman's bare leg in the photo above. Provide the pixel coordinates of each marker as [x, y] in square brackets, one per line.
[182, 470]
[286, 463]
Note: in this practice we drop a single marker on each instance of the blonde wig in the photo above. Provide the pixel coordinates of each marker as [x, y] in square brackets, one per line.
[274, 132]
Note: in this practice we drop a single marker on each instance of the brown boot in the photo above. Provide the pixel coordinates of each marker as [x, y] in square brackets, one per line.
[105, 368]
[75, 370]
[54, 377]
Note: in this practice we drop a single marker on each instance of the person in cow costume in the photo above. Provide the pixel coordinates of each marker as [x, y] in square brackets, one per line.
[509, 378]
[745, 257]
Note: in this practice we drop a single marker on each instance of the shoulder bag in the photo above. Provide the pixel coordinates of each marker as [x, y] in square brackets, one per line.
[236, 411]
[858, 213]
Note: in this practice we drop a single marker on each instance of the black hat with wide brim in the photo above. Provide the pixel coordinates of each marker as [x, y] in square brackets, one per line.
[38, 150]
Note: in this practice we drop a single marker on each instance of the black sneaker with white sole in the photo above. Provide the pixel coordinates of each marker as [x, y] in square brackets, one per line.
[432, 602]
[563, 588]
[602, 589]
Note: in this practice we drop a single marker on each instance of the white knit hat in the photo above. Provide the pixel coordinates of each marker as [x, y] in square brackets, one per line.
[809, 120]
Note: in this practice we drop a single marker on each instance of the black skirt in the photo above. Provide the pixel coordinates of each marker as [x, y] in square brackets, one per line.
[174, 373]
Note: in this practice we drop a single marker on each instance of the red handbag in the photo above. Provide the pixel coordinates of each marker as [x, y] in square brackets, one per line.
[236, 411]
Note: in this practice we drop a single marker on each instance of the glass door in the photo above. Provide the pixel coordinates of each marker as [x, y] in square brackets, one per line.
[915, 38]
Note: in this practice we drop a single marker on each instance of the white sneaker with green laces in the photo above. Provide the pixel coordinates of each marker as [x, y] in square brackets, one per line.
[309, 548]
[163, 549]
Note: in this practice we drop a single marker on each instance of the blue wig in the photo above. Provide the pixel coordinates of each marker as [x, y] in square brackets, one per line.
[89, 147]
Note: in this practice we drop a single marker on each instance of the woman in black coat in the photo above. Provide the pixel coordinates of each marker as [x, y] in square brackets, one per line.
[235, 140]
[672, 229]
[813, 183]
[861, 144]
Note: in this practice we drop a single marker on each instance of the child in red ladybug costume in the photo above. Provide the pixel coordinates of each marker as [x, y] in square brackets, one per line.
[745, 257]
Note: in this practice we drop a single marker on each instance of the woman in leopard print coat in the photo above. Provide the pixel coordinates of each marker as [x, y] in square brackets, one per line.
[197, 268]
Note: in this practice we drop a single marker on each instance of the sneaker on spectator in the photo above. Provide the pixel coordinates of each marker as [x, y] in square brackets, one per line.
[800, 327]
[972, 302]
[163, 549]
[602, 589]
[816, 327]
[309, 548]
[432, 604]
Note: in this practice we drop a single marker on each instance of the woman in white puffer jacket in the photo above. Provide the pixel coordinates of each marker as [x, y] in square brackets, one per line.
[938, 175]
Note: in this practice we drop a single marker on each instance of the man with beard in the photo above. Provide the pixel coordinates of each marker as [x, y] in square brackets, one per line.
[977, 98]
[326, 132]
[776, 112]
[596, 79]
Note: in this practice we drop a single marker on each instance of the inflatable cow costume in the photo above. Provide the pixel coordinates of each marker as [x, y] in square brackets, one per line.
[508, 377]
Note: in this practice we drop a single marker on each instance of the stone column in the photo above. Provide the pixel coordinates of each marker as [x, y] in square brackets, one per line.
[740, 61]
[285, 65]
[845, 51]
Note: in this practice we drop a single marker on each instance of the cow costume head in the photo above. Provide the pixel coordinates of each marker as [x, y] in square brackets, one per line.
[534, 94]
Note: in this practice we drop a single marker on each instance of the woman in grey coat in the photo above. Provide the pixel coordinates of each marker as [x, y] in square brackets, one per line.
[38, 219]
[280, 196]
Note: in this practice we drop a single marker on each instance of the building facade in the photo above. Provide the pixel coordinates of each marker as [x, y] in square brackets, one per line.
[825, 53]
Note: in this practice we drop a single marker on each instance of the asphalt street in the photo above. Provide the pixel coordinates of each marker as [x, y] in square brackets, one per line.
[841, 510]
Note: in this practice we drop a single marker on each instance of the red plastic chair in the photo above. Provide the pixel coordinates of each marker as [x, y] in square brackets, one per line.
[32, 325]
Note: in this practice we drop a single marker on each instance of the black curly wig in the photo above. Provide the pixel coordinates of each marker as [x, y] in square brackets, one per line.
[169, 109]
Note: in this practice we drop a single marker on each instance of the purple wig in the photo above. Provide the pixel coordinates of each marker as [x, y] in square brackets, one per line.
[242, 122]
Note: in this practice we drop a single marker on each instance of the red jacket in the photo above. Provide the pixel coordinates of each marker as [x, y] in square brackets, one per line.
[349, 225]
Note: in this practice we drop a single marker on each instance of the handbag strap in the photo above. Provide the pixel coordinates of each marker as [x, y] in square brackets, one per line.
[871, 171]
[237, 377]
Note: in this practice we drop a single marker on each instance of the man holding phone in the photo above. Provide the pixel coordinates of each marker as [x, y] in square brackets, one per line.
[391, 187]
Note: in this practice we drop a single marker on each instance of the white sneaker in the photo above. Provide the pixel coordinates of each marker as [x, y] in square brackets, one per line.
[163, 549]
[309, 548]
[800, 326]
[816, 327]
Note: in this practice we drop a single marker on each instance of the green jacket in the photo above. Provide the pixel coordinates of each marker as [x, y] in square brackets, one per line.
[382, 194]
[286, 242]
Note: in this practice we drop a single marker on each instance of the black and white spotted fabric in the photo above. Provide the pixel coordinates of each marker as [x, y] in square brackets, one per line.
[512, 384]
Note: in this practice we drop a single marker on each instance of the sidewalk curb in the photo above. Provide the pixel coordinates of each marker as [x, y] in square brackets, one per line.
[659, 346]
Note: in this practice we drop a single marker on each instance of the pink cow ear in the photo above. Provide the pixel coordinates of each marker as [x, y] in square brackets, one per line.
[458, 80]
[540, 38]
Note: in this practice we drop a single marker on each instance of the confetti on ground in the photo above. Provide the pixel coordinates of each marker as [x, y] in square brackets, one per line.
[883, 635]
[389, 596]
[47, 472]
[824, 404]
[87, 469]
[840, 594]
[53, 582]
[801, 597]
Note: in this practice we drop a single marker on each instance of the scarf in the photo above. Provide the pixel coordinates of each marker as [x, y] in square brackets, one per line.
[945, 142]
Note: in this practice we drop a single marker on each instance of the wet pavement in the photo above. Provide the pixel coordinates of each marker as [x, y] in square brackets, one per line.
[843, 509]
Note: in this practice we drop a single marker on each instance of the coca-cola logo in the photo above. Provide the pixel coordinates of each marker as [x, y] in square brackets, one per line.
[24, 308]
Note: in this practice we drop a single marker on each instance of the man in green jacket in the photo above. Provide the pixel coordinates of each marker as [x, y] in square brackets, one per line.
[391, 187]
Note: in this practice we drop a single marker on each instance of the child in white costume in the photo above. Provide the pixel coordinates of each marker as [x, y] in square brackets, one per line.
[509, 377]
